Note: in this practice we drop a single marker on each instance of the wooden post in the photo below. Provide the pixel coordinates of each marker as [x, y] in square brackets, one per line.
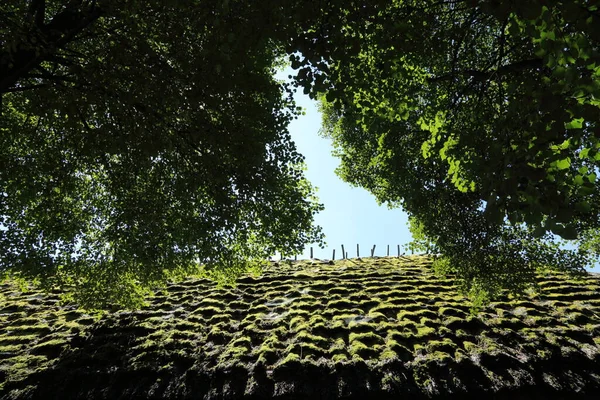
[311, 253]
[388, 250]
[398, 251]
[373, 250]
[343, 252]
[333, 257]
[346, 254]
[357, 252]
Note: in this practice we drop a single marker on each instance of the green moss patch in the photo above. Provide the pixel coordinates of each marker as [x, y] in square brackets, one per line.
[380, 328]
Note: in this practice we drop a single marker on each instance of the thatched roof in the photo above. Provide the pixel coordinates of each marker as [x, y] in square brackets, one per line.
[372, 328]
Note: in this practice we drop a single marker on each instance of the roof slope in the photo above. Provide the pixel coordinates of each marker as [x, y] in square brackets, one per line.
[372, 328]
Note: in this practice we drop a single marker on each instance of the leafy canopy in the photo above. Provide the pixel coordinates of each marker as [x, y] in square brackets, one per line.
[139, 139]
[480, 118]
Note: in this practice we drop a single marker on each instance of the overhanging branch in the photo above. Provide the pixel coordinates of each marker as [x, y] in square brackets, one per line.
[487, 75]
[24, 88]
[54, 35]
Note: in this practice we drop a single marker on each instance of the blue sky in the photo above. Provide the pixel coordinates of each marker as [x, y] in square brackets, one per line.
[351, 215]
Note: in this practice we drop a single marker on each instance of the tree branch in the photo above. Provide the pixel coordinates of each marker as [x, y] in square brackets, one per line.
[487, 75]
[37, 12]
[61, 30]
[24, 88]
[59, 78]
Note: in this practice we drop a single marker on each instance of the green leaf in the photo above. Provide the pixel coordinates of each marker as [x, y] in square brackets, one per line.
[330, 96]
[576, 123]
[531, 10]
[565, 163]
[564, 215]
[493, 213]
[583, 206]
[586, 190]
[569, 233]
[539, 231]
[584, 153]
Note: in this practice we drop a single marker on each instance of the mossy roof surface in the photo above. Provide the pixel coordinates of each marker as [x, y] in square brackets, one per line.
[359, 328]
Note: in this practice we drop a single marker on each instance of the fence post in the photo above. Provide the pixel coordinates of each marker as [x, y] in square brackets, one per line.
[398, 251]
[388, 250]
[333, 258]
[357, 252]
[373, 250]
[343, 252]
[311, 253]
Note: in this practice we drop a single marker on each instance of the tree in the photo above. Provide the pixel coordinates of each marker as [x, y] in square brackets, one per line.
[481, 119]
[139, 139]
